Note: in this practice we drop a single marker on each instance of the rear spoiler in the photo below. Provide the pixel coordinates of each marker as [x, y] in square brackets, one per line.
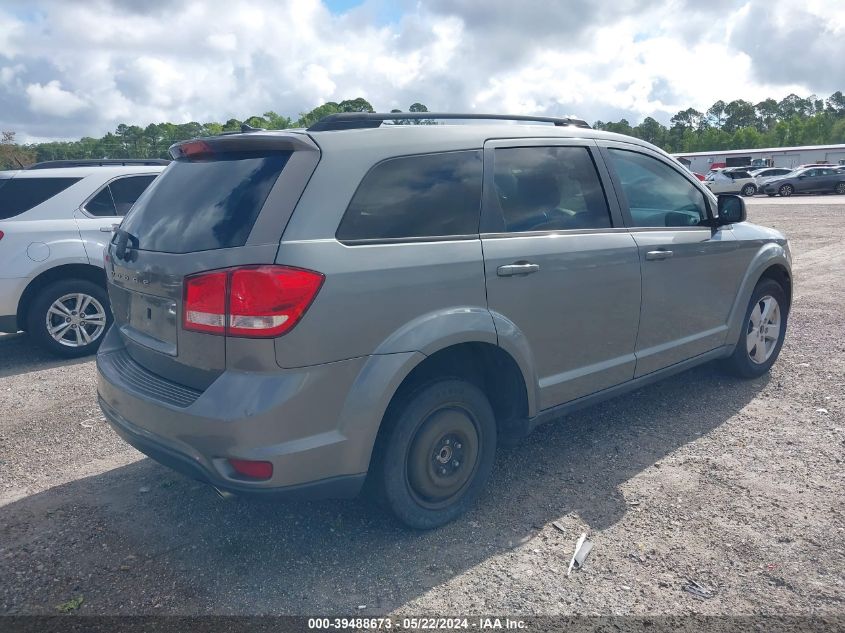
[242, 142]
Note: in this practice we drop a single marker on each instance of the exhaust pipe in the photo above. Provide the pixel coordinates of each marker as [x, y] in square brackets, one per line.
[224, 494]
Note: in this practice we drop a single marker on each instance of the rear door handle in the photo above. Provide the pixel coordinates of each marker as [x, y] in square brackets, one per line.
[517, 269]
[658, 255]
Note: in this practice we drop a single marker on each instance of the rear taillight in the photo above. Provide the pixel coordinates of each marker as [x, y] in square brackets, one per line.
[1, 235]
[205, 302]
[249, 301]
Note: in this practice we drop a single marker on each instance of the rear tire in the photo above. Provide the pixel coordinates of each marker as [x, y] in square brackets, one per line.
[765, 318]
[748, 190]
[786, 190]
[438, 453]
[68, 318]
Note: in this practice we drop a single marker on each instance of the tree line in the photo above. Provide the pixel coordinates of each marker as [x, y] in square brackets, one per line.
[744, 125]
[738, 124]
[133, 141]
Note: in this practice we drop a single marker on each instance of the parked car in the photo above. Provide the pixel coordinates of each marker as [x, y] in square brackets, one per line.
[699, 176]
[313, 312]
[732, 180]
[812, 180]
[55, 220]
[762, 176]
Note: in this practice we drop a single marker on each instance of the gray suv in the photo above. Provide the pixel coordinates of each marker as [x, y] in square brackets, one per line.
[370, 305]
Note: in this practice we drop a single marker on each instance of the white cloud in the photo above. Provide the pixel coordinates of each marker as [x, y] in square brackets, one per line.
[53, 100]
[82, 68]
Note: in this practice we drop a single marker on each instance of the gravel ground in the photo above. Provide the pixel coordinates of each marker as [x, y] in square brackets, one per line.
[737, 485]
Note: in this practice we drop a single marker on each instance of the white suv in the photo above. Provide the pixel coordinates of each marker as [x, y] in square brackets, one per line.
[56, 218]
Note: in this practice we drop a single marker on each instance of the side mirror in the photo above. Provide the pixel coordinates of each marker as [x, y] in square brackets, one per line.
[731, 209]
[802, 176]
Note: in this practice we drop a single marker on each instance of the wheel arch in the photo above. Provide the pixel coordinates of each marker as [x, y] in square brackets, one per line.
[484, 364]
[57, 273]
[780, 274]
[771, 262]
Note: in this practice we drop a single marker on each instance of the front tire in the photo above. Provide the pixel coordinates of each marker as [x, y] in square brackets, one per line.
[840, 188]
[748, 190]
[763, 332]
[438, 453]
[68, 318]
[786, 190]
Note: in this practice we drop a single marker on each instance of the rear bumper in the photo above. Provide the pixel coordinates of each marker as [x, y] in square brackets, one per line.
[334, 487]
[292, 418]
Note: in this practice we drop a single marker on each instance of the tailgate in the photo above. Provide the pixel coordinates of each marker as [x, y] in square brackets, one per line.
[223, 202]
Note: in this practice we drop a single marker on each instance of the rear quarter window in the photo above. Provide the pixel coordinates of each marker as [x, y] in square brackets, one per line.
[419, 196]
[18, 195]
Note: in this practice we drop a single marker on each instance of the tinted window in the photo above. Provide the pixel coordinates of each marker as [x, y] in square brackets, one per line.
[428, 195]
[203, 205]
[549, 189]
[101, 204]
[657, 195]
[22, 194]
[125, 191]
[741, 174]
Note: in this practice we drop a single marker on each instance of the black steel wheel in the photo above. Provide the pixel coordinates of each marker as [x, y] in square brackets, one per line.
[438, 453]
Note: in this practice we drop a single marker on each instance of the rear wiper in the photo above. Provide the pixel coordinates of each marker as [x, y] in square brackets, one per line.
[124, 245]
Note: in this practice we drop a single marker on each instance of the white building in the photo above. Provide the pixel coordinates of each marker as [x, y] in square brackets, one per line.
[701, 162]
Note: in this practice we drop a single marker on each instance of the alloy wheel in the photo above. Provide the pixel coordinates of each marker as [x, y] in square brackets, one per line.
[76, 320]
[763, 330]
[785, 191]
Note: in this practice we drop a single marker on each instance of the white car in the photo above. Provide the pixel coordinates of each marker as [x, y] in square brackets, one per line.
[55, 222]
[732, 180]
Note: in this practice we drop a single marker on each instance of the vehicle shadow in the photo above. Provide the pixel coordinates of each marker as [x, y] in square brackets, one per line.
[19, 355]
[142, 539]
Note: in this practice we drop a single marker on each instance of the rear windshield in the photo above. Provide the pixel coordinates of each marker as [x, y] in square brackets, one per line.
[22, 194]
[204, 205]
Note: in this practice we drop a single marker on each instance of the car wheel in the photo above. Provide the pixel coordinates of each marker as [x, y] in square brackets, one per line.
[762, 333]
[749, 190]
[840, 188]
[438, 454]
[68, 318]
[786, 190]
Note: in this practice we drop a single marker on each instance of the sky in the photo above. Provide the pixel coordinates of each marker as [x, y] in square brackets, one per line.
[70, 69]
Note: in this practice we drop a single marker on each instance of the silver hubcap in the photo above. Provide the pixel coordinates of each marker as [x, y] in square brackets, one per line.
[76, 319]
[763, 330]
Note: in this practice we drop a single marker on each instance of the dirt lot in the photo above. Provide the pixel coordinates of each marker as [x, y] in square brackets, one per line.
[738, 485]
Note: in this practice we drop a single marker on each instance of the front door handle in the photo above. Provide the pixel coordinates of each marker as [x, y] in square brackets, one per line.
[109, 229]
[521, 268]
[658, 255]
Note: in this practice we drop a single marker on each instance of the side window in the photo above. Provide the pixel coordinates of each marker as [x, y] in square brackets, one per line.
[22, 194]
[125, 191]
[101, 204]
[116, 198]
[742, 174]
[426, 195]
[657, 195]
[548, 189]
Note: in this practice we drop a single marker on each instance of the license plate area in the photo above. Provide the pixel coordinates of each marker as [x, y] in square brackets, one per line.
[153, 322]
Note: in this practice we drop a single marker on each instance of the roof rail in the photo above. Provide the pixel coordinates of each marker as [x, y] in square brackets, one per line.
[94, 162]
[362, 120]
